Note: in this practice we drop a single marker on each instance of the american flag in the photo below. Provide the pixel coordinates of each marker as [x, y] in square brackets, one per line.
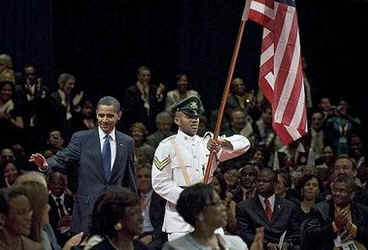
[280, 70]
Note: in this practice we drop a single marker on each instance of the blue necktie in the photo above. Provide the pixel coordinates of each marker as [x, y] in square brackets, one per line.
[106, 157]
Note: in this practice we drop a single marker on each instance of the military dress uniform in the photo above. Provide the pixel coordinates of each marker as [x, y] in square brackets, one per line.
[180, 161]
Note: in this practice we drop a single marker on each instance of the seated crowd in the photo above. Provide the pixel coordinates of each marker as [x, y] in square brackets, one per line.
[310, 194]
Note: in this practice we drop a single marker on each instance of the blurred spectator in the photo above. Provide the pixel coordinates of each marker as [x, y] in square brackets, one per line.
[143, 101]
[356, 149]
[220, 187]
[317, 137]
[86, 119]
[139, 133]
[247, 183]
[11, 121]
[55, 141]
[284, 187]
[116, 221]
[309, 189]
[8, 173]
[6, 68]
[339, 128]
[164, 122]
[203, 125]
[7, 154]
[61, 206]
[183, 90]
[67, 102]
[20, 156]
[17, 211]
[338, 220]
[241, 123]
[241, 97]
[326, 107]
[153, 210]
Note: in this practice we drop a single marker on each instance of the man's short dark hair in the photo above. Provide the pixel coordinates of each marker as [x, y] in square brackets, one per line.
[109, 101]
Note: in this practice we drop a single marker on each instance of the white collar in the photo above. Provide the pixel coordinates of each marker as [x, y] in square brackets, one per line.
[102, 134]
[184, 137]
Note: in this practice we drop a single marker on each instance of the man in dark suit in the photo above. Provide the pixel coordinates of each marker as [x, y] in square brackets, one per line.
[275, 214]
[153, 210]
[340, 222]
[105, 158]
[61, 206]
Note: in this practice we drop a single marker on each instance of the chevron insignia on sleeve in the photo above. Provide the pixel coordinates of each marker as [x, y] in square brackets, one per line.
[161, 164]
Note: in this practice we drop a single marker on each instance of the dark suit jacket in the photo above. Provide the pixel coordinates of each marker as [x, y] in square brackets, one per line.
[156, 213]
[317, 232]
[54, 213]
[250, 215]
[85, 149]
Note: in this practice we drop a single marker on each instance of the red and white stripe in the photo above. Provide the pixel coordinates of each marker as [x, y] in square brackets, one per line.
[280, 76]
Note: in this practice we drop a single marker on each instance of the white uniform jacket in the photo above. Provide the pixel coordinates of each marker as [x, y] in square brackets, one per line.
[180, 155]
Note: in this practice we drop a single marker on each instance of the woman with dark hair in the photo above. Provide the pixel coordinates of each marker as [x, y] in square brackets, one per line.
[203, 209]
[309, 188]
[116, 220]
[11, 121]
[16, 213]
[284, 187]
[8, 173]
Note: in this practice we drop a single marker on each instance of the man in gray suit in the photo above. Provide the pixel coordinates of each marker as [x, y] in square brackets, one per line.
[105, 158]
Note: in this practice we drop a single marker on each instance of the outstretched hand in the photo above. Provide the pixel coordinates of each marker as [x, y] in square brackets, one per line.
[39, 160]
[257, 243]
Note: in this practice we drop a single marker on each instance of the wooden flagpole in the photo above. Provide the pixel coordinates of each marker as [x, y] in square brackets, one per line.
[224, 98]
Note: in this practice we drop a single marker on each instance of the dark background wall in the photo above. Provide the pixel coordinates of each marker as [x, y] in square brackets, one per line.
[103, 42]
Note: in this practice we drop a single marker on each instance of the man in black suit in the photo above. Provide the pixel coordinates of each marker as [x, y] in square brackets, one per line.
[61, 206]
[105, 158]
[153, 210]
[275, 214]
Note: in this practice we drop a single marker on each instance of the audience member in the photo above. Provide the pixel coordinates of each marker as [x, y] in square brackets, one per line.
[340, 222]
[277, 215]
[247, 183]
[11, 120]
[143, 101]
[116, 221]
[17, 212]
[201, 207]
[6, 68]
[153, 210]
[164, 123]
[8, 173]
[182, 91]
[61, 206]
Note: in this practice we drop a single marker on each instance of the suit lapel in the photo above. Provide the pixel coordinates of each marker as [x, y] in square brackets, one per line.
[121, 152]
[277, 209]
[96, 152]
[258, 208]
